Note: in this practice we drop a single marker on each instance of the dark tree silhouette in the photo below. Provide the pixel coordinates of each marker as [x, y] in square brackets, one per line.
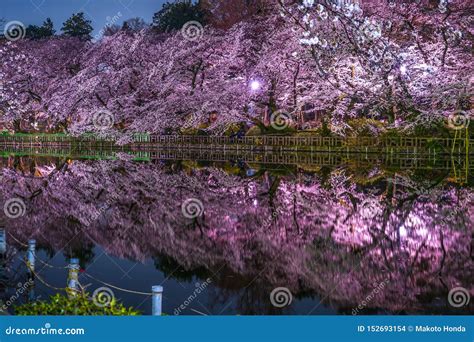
[39, 32]
[110, 30]
[78, 26]
[174, 15]
[226, 13]
[135, 24]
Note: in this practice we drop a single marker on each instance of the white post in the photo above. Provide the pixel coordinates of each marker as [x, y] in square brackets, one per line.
[31, 254]
[31, 290]
[73, 277]
[156, 300]
[3, 241]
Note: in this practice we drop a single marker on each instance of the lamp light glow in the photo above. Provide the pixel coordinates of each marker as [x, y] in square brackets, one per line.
[255, 85]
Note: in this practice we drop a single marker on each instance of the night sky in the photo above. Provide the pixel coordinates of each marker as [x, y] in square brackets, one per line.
[36, 11]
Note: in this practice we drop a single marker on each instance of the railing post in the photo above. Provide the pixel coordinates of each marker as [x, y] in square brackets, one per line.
[31, 255]
[73, 277]
[156, 300]
[3, 241]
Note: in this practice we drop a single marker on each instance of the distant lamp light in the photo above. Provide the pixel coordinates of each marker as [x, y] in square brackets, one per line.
[251, 172]
[403, 69]
[255, 85]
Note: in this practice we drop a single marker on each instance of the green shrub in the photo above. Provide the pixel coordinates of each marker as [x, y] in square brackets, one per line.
[79, 305]
[366, 127]
[254, 130]
[232, 129]
[439, 129]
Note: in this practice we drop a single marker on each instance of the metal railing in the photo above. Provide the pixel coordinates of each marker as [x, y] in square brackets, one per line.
[317, 143]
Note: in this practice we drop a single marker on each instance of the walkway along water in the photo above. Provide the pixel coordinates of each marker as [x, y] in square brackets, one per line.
[402, 145]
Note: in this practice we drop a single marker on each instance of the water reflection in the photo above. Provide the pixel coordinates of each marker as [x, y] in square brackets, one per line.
[330, 228]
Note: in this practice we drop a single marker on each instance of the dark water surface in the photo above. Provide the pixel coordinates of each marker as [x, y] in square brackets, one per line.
[389, 234]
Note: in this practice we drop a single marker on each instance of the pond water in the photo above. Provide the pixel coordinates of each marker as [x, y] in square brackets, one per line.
[344, 234]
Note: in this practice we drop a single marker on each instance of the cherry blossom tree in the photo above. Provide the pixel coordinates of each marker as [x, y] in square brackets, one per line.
[386, 59]
[403, 63]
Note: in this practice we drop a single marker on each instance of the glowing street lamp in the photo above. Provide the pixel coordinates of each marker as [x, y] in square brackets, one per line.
[255, 85]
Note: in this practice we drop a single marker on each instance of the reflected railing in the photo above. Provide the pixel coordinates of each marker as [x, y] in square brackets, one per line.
[460, 165]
